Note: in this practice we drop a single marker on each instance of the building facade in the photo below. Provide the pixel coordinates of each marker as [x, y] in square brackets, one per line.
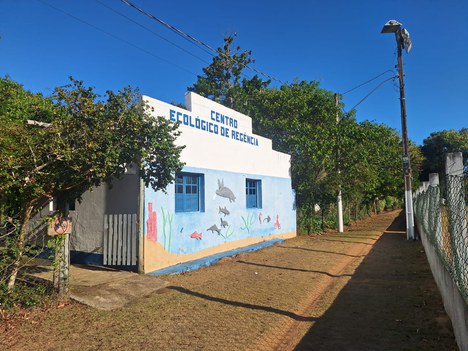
[233, 192]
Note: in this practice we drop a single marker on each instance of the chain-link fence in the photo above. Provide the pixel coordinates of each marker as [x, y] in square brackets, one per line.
[444, 220]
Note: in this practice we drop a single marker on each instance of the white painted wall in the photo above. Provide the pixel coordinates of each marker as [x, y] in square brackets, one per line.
[215, 151]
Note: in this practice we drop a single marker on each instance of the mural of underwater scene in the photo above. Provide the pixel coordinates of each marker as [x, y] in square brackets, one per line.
[225, 217]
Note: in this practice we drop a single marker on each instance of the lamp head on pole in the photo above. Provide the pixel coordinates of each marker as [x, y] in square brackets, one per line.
[391, 26]
[402, 35]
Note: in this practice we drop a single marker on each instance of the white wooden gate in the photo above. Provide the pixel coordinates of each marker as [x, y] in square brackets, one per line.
[120, 239]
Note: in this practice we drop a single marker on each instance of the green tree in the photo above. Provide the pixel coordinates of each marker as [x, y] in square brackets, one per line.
[300, 119]
[222, 81]
[75, 140]
[370, 159]
[417, 162]
[437, 145]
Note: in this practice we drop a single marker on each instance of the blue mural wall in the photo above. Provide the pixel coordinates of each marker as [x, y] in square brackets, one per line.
[225, 218]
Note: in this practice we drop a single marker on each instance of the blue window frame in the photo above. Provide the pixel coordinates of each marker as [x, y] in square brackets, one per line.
[189, 192]
[253, 193]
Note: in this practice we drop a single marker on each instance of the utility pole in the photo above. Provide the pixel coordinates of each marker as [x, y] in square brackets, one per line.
[406, 156]
[403, 41]
[339, 204]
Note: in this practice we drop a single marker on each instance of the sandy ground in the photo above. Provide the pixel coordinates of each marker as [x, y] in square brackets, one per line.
[365, 289]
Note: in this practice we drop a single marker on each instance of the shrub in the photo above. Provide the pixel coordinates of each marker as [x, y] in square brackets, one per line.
[381, 205]
[24, 294]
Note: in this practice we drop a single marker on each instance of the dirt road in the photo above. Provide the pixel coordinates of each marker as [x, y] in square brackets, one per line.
[365, 289]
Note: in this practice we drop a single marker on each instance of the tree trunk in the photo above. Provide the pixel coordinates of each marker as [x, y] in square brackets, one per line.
[21, 244]
[62, 254]
[323, 220]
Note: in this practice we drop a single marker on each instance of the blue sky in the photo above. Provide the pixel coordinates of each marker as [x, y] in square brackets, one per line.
[337, 43]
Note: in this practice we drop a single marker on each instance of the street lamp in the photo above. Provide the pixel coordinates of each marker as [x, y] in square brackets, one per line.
[403, 42]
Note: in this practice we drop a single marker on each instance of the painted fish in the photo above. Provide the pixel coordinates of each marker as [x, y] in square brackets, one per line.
[225, 191]
[196, 235]
[267, 219]
[214, 228]
[224, 211]
[224, 224]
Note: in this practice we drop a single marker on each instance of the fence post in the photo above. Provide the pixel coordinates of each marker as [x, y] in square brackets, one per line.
[457, 214]
[425, 206]
[436, 222]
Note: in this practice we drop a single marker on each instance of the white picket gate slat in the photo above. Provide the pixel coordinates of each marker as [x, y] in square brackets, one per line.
[120, 240]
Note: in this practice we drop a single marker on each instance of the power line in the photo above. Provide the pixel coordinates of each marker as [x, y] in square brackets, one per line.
[192, 39]
[172, 28]
[151, 31]
[115, 37]
[373, 90]
[368, 81]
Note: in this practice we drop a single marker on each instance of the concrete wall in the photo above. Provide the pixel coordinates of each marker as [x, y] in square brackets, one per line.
[219, 143]
[86, 241]
[454, 304]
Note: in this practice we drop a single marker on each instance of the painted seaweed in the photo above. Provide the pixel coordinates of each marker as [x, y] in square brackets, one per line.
[167, 221]
[228, 234]
[248, 223]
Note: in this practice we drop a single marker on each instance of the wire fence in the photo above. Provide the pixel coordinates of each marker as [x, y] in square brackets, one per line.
[441, 212]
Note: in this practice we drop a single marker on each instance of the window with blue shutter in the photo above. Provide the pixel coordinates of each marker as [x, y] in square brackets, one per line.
[253, 193]
[189, 192]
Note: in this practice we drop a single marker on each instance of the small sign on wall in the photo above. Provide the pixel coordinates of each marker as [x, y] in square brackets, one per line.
[60, 226]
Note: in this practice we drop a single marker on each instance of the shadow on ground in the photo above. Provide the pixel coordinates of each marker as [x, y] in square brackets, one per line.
[391, 303]
[241, 304]
[293, 269]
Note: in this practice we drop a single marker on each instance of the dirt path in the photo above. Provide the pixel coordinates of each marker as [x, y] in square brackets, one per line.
[359, 290]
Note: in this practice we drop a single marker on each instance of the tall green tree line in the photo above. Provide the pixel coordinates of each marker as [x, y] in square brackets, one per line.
[301, 119]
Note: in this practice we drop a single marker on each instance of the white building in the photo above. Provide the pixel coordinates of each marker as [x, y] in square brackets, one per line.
[233, 192]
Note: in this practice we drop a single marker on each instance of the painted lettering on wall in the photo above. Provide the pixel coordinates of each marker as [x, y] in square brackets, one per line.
[218, 124]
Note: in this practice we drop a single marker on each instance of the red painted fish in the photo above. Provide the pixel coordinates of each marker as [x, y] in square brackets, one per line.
[196, 235]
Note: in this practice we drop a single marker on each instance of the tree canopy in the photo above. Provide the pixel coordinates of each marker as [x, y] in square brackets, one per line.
[438, 144]
[222, 81]
[63, 145]
[300, 118]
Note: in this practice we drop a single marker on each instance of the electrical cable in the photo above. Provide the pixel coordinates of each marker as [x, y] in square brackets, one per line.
[151, 31]
[192, 39]
[172, 28]
[115, 37]
[373, 90]
[368, 81]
